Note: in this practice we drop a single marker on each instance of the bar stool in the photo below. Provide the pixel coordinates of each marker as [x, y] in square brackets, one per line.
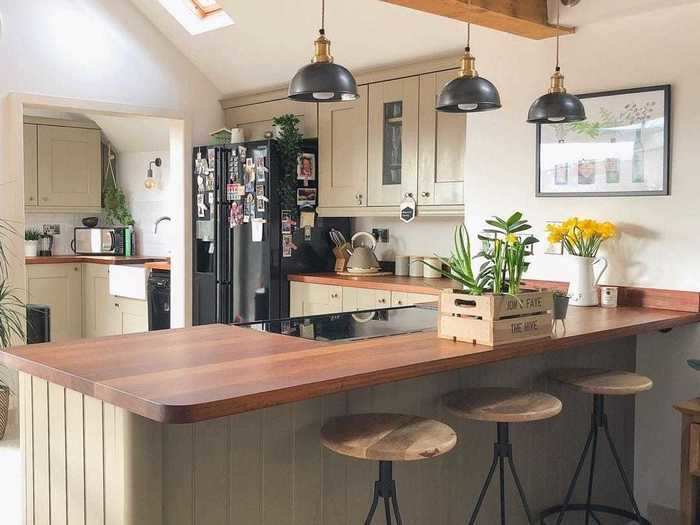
[387, 438]
[599, 383]
[502, 406]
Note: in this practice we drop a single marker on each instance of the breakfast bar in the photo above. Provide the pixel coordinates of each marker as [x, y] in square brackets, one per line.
[220, 424]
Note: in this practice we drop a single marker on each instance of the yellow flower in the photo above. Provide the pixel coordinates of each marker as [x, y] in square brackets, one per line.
[607, 230]
[556, 233]
[511, 239]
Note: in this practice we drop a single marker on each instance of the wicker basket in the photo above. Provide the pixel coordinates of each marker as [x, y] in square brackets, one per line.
[4, 408]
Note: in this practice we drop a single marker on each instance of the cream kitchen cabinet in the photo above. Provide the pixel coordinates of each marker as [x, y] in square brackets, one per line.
[60, 287]
[31, 191]
[132, 315]
[314, 299]
[62, 165]
[342, 144]
[409, 299]
[256, 119]
[355, 299]
[392, 145]
[442, 143]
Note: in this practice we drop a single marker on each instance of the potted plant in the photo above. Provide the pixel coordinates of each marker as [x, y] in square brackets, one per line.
[31, 242]
[491, 308]
[561, 305]
[11, 321]
[582, 238]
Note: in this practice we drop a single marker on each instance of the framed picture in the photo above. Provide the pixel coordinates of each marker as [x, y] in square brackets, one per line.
[621, 149]
[306, 168]
[306, 197]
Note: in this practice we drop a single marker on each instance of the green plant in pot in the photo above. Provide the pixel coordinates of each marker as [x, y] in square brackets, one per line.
[31, 242]
[561, 305]
[289, 143]
[11, 320]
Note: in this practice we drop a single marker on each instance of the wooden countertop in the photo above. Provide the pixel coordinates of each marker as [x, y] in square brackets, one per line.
[95, 259]
[393, 283]
[158, 265]
[194, 374]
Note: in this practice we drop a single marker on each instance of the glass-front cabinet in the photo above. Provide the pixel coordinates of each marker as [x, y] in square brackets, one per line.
[392, 141]
[443, 138]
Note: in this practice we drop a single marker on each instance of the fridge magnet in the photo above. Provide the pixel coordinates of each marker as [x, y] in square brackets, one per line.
[306, 197]
[231, 193]
[288, 221]
[249, 207]
[236, 214]
[621, 149]
[307, 219]
[242, 152]
[249, 163]
[259, 189]
[306, 168]
[260, 173]
[260, 203]
[211, 199]
[201, 206]
[200, 184]
[211, 157]
[239, 189]
[407, 209]
[288, 245]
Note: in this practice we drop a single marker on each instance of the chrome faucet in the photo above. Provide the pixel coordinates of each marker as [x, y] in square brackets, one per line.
[160, 219]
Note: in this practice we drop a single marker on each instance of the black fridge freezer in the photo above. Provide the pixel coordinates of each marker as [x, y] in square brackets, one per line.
[246, 232]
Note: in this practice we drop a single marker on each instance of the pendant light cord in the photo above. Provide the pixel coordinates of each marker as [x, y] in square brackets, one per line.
[323, 17]
[558, 10]
[469, 27]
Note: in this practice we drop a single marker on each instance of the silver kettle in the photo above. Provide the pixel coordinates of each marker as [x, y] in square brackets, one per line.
[362, 257]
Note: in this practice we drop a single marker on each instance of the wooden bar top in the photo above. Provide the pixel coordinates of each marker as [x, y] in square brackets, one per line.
[194, 374]
[95, 259]
[393, 283]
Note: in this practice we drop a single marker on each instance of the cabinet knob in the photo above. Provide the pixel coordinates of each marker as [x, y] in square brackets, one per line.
[116, 305]
[425, 194]
[358, 198]
[382, 301]
[399, 303]
[75, 268]
[334, 296]
[31, 198]
[407, 195]
[45, 199]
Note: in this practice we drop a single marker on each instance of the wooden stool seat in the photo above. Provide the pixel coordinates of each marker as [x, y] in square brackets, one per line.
[598, 381]
[501, 405]
[387, 437]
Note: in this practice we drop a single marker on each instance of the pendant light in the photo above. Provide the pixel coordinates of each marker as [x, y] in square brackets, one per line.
[557, 106]
[322, 80]
[468, 93]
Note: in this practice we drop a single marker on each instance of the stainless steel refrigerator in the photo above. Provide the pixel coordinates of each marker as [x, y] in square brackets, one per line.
[239, 261]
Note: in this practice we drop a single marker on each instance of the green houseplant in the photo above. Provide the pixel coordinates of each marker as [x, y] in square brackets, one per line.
[116, 208]
[289, 142]
[11, 320]
[31, 242]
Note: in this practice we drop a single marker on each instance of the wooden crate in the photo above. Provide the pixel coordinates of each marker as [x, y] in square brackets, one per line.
[494, 320]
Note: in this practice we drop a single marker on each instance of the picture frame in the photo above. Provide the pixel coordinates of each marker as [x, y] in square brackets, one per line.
[622, 149]
[306, 168]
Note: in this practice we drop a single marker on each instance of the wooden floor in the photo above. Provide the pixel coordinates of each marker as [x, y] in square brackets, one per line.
[11, 474]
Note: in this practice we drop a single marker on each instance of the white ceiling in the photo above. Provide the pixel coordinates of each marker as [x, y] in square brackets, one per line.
[271, 39]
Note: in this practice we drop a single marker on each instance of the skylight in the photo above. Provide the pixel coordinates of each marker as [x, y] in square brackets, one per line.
[198, 16]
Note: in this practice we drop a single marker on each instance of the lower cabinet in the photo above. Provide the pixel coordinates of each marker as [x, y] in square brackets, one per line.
[99, 314]
[315, 299]
[132, 315]
[59, 287]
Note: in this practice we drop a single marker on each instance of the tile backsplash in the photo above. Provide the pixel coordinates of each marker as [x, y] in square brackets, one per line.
[65, 221]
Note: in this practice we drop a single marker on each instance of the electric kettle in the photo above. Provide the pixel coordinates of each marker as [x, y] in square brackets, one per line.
[362, 257]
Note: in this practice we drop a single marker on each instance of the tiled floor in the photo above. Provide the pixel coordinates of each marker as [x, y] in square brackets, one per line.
[11, 474]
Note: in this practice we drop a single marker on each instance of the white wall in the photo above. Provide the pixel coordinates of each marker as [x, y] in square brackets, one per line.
[66, 221]
[658, 246]
[148, 205]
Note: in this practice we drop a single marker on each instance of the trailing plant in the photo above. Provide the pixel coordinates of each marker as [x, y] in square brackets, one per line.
[32, 234]
[11, 308]
[581, 237]
[289, 142]
[116, 208]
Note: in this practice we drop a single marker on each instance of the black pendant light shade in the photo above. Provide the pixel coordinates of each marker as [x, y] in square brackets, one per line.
[557, 106]
[323, 82]
[468, 94]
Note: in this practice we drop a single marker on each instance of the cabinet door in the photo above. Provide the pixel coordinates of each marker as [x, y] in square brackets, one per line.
[443, 138]
[133, 315]
[392, 141]
[355, 299]
[30, 165]
[342, 146]
[409, 299]
[100, 314]
[69, 166]
[256, 119]
[60, 287]
[315, 299]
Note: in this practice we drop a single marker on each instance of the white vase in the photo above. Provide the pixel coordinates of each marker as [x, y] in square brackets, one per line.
[583, 281]
[31, 248]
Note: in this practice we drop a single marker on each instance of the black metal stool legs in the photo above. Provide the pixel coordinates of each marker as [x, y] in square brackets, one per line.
[502, 451]
[599, 420]
[385, 488]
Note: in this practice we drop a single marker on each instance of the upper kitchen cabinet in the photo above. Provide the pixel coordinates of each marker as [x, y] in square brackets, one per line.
[68, 167]
[256, 119]
[442, 144]
[342, 146]
[31, 189]
[392, 150]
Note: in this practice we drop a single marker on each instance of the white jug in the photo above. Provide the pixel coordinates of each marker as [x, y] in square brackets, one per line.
[582, 287]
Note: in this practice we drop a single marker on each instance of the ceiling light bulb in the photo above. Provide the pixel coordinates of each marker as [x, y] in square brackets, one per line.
[348, 96]
[467, 107]
[556, 119]
[323, 95]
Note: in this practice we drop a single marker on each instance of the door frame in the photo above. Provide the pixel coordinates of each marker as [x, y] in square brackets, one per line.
[12, 183]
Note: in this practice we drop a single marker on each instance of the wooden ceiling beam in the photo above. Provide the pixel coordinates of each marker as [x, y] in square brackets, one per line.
[527, 18]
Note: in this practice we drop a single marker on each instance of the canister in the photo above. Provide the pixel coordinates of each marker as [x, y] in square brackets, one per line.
[608, 296]
[428, 272]
[401, 265]
[416, 266]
